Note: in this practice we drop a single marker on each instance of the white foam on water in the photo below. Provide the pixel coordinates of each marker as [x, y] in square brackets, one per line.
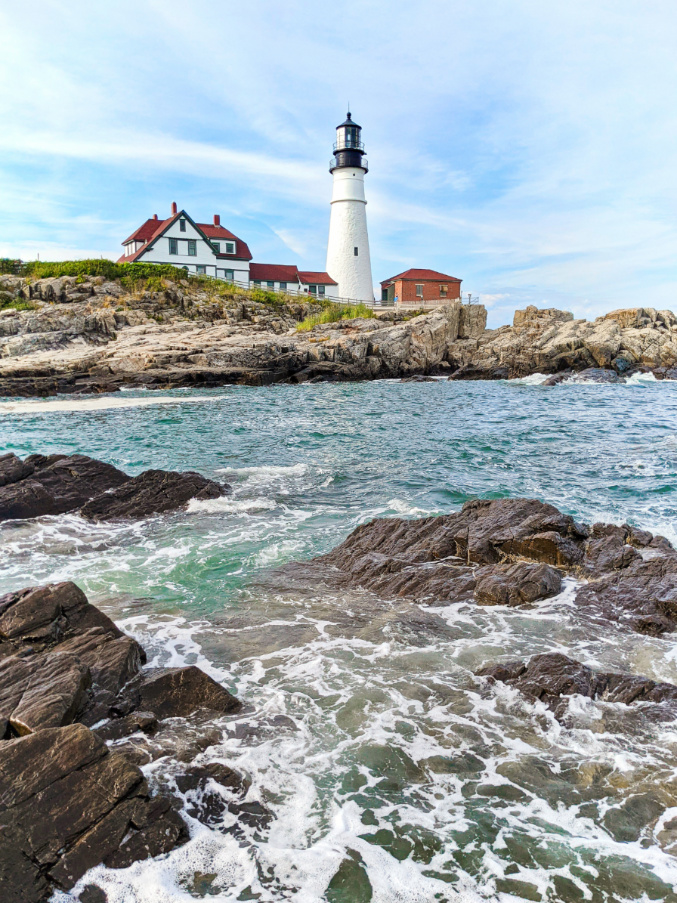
[100, 403]
[534, 379]
[642, 379]
[228, 505]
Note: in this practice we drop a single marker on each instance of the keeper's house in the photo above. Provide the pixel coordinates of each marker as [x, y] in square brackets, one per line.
[202, 248]
[292, 280]
[420, 288]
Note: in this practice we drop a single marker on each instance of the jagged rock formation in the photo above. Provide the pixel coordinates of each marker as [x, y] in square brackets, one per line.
[67, 800]
[512, 552]
[551, 676]
[88, 335]
[174, 338]
[56, 484]
[551, 341]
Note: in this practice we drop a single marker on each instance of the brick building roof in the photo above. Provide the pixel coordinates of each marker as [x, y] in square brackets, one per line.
[421, 275]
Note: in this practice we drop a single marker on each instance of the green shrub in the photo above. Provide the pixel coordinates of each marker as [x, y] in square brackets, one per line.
[333, 313]
[43, 269]
[7, 302]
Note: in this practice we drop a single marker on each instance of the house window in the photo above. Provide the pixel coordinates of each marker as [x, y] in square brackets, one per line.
[283, 286]
[229, 275]
[257, 282]
[312, 289]
[182, 225]
[192, 248]
[173, 246]
[201, 270]
[230, 247]
[355, 251]
[217, 246]
[320, 291]
[384, 294]
[444, 289]
[419, 291]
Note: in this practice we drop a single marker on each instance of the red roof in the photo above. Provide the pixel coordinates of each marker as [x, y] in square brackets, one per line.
[308, 278]
[422, 275]
[273, 272]
[153, 228]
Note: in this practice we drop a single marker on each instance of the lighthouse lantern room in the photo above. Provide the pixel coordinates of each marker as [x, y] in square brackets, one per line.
[348, 260]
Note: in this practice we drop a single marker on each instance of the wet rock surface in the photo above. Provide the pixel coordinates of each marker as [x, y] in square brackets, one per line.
[512, 552]
[67, 800]
[551, 676]
[57, 484]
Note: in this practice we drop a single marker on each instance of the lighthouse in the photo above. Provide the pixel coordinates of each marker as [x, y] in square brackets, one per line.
[348, 260]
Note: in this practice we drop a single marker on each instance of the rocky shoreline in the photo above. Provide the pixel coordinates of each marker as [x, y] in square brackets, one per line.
[80, 714]
[92, 336]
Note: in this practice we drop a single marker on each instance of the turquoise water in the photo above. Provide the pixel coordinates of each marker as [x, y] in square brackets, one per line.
[395, 774]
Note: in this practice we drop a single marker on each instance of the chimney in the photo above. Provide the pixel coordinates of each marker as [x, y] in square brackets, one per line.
[155, 216]
[175, 209]
[217, 219]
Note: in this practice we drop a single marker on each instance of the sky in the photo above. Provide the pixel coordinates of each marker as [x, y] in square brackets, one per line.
[527, 148]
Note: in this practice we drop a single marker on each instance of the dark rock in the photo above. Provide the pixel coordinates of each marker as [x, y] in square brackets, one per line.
[152, 492]
[418, 379]
[435, 557]
[63, 485]
[13, 469]
[520, 583]
[205, 804]
[42, 615]
[551, 676]
[596, 375]
[642, 596]
[117, 729]
[178, 692]
[92, 894]
[42, 691]
[66, 804]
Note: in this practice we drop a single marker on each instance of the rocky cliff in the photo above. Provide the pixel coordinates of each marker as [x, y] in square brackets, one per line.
[551, 341]
[89, 335]
[95, 336]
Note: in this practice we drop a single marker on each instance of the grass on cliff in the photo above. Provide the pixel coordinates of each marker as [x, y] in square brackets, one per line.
[7, 302]
[333, 313]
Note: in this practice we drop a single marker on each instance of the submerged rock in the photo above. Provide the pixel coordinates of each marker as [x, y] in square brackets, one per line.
[550, 676]
[57, 484]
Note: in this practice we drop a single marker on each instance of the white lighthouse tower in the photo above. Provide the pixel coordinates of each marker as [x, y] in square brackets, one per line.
[348, 260]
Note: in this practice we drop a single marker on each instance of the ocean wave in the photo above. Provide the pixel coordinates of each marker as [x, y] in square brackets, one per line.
[228, 505]
[100, 403]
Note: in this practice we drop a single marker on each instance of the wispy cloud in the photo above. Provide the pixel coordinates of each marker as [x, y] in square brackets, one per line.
[528, 148]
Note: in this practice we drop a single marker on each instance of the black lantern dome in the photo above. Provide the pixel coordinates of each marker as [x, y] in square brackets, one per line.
[349, 150]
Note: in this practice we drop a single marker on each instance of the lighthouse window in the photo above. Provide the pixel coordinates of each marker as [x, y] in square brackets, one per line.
[355, 251]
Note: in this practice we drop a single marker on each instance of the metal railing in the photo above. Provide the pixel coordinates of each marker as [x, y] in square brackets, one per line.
[363, 164]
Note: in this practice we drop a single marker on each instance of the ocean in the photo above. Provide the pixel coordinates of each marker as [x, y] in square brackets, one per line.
[389, 771]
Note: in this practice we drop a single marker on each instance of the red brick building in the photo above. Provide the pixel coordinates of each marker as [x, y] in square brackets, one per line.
[419, 288]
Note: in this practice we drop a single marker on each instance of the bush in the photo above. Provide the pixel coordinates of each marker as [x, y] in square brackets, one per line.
[8, 302]
[7, 265]
[333, 313]
[43, 269]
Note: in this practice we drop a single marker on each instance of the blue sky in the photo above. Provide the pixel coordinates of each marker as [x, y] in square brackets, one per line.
[528, 148]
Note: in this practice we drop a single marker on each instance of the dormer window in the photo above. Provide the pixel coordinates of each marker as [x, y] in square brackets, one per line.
[182, 225]
[217, 246]
[229, 247]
